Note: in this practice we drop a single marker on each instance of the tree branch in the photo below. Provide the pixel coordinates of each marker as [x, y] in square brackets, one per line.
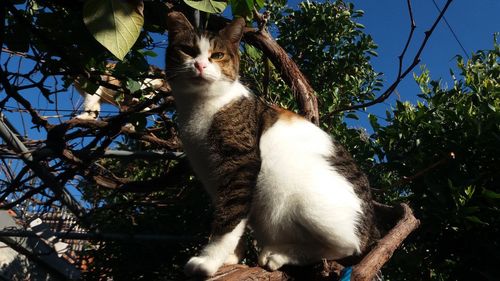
[301, 89]
[401, 75]
[369, 266]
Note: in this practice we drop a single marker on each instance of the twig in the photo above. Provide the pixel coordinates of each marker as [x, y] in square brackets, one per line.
[424, 171]
[21, 54]
[401, 76]
[36, 118]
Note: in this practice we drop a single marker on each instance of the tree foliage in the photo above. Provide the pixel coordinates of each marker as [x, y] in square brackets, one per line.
[441, 154]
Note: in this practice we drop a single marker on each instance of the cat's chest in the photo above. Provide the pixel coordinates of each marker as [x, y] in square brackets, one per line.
[194, 126]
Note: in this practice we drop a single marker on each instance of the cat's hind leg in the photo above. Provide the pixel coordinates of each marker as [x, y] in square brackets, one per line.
[274, 257]
[216, 253]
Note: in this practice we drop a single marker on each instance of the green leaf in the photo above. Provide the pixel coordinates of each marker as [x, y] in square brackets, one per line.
[242, 8]
[252, 52]
[15, 42]
[475, 219]
[115, 24]
[149, 53]
[490, 194]
[259, 4]
[86, 85]
[208, 6]
[373, 122]
[352, 116]
[133, 86]
[139, 122]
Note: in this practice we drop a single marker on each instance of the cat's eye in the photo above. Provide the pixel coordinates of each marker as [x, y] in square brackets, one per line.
[217, 56]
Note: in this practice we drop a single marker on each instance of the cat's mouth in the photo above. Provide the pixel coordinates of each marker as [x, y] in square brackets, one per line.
[200, 78]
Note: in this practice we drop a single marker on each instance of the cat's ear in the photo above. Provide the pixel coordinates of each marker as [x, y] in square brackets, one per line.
[176, 23]
[233, 31]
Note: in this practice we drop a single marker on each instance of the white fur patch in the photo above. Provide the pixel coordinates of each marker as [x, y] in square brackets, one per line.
[212, 71]
[204, 45]
[298, 190]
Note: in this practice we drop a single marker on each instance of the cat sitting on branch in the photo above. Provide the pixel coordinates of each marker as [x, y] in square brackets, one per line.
[265, 168]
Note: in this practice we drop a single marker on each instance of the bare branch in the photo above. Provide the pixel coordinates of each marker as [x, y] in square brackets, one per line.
[36, 118]
[416, 61]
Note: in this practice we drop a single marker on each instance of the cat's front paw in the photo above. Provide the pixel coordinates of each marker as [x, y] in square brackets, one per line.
[272, 261]
[200, 266]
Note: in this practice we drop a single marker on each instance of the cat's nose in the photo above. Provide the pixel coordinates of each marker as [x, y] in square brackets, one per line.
[200, 65]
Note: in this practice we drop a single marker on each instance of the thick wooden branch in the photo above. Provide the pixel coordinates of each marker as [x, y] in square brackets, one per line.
[289, 71]
[365, 270]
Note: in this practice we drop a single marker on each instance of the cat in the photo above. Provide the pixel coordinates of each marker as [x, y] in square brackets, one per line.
[92, 101]
[263, 166]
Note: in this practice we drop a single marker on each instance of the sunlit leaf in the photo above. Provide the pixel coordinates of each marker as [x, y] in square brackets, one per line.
[115, 24]
[208, 6]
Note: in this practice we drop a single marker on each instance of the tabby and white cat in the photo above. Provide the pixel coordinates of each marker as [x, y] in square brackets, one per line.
[92, 101]
[264, 167]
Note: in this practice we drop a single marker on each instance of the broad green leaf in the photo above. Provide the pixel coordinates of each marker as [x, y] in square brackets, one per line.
[139, 122]
[115, 24]
[15, 42]
[209, 6]
[87, 86]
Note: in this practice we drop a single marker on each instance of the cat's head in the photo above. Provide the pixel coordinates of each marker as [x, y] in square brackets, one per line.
[202, 58]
